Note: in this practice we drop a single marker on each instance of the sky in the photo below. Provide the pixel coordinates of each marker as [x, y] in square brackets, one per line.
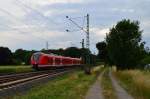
[29, 24]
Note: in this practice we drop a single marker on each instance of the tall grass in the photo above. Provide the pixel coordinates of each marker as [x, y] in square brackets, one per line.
[136, 82]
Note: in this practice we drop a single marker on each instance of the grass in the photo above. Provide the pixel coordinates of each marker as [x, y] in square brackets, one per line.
[108, 90]
[135, 82]
[15, 69]
[69, 86]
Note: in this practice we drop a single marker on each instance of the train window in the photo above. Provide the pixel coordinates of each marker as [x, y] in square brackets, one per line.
[51, 60]
[36, 56]
[57, 60]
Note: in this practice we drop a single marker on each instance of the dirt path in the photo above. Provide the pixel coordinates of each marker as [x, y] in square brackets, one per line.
[120, 92]
[95, 92]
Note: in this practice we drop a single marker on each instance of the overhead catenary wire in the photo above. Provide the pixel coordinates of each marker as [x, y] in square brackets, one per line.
[34, 9]
[16, 18]
[37, 11]
[82, 28]
[20, 31]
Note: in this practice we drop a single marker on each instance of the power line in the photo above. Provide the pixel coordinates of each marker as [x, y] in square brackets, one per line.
[14, 17]
[82, 28]
[37, 11]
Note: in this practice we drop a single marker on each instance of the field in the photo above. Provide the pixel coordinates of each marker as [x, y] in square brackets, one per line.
[136, 82]
[15, 69]
[68, 86]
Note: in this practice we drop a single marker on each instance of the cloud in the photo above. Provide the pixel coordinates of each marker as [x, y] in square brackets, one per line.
[57, 12]
[123, 10]
[145, 23]
[9, 6]
[50, 2]
[100, 32]
[97, 35]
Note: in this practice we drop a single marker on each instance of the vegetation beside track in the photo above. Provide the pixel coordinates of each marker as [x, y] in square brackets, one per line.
[15, 69]
[69, 86]
[135, 82]
[108, 90]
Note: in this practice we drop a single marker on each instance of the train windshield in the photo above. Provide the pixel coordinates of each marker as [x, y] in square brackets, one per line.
[36, 56]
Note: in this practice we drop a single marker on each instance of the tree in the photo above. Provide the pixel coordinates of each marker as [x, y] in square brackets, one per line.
[19, 56]
[72, 52]
[5, 56]
[102, 51]
[27, 57]
[146, 60]
[22, 56]
[124, 45]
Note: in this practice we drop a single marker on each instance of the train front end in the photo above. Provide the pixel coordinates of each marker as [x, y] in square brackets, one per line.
[35, 59]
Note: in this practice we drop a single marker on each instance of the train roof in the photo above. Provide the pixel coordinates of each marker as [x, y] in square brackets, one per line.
[54, 55]
[38, 53]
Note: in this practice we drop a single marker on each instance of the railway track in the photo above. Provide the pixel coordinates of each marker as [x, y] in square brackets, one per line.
[9, 81]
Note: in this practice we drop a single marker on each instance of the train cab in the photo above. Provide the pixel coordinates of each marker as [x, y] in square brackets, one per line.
[35, 59]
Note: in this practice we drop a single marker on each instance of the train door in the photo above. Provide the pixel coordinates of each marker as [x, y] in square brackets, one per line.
[50, 61]
[57, 61]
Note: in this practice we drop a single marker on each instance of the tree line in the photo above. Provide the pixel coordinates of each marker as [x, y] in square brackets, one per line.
[22, 57]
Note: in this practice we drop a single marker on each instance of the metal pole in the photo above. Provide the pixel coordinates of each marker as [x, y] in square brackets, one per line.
[47, 45]
[87, 36]
[82, 43]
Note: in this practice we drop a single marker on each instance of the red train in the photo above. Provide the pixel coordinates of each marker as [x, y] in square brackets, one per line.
[42, 60]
